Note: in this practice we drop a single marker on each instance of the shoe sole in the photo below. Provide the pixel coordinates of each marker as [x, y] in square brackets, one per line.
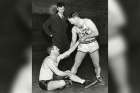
[91, 84]
[99, 84]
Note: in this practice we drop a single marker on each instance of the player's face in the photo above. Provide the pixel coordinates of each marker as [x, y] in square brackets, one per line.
[61, 9]
[56, 50]
[72, 21]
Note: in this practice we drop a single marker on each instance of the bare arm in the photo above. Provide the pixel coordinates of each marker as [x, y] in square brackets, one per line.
[74, 37]
[56, 70]
[67, 53]
[93, 28]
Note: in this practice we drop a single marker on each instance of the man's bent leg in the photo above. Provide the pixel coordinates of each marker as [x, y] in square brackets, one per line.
[53, 85]
[85, 83]
[95, 59]
[78, 59]
[75, 78]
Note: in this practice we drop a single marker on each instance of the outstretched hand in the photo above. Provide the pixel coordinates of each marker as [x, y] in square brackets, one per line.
[68, 72]
[58, 60]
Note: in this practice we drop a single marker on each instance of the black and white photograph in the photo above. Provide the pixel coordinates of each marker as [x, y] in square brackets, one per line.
[70, 46]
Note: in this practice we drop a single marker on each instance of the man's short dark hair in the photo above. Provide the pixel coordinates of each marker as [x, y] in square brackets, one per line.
[74, 14]
[49, 49]
[60, 4]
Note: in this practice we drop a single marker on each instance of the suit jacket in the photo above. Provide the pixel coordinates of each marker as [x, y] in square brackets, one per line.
[57, 27]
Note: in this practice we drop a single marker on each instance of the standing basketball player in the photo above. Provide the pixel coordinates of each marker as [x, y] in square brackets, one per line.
[85, 28]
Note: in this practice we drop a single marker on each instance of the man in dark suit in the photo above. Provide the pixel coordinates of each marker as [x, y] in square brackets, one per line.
[56, 27]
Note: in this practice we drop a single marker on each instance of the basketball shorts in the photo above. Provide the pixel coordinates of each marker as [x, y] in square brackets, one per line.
[88, 47]
[43, 84]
